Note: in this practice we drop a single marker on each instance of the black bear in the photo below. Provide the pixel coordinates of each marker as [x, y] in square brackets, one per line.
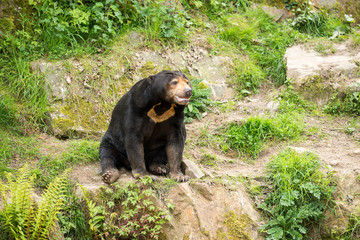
[146, 132]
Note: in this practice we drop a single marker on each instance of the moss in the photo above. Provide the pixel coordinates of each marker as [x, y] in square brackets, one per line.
[274, 3]
[62, 125]
[186, 237]
[348, 7]
[237, 227]
[315, 88]
[79, 114]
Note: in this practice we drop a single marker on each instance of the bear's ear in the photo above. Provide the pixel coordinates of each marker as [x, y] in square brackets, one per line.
[151, 79]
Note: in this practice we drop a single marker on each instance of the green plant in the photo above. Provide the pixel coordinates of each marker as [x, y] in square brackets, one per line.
[218, 8]
[127, 212]
[200, 101]
[263, 41]
[20, 217]
[307, 19]
[209, 159]
[248, 137]
[300, 195]
[349, 103]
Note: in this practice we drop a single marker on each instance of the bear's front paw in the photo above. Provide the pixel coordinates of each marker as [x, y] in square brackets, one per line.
[110, 176]
[179, 177]
[158, 169]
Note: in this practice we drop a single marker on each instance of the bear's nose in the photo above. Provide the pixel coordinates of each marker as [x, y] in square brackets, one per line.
[188, 92]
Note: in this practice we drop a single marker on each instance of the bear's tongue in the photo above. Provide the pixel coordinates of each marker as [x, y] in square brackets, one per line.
[180, 99]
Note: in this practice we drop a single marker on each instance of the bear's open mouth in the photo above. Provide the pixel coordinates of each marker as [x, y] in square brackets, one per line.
[182, 100]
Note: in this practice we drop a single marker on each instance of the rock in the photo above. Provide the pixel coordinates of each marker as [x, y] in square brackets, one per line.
[303, 63]
[273, 106]
[277, 13]
[299, 149]
[191, 169]
[54, 77]
[202, 212]
[356, 152]
[214, 72]
[334, 163]
[317, 77]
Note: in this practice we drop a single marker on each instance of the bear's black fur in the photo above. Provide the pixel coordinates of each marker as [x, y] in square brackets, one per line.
[146, 131]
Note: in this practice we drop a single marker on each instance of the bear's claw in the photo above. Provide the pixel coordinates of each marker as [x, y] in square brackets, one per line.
[180, 177]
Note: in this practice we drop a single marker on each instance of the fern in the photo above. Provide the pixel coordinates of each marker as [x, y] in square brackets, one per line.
[18, 204]
[97, 214]
[20, 218]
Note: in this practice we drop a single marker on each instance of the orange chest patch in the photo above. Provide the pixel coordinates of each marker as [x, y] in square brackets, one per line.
[162, 117]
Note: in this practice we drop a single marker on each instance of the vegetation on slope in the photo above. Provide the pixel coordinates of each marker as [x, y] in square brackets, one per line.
[63, 29]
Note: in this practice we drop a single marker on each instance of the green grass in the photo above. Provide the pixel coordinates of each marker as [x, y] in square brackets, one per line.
[353, 229]
[249, 137]
[247, 76]
[290, 101]
[78, 152]
[264, 42]
[15, 150]
[299, 197]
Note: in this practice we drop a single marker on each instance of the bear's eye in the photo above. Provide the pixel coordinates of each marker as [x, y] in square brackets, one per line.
[175, 82]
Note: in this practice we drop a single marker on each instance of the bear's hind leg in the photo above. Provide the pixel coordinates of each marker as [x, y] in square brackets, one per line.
[109, 164]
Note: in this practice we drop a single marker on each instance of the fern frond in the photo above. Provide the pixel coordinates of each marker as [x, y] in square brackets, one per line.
[18, 202]
[97, 213]
[49, 207]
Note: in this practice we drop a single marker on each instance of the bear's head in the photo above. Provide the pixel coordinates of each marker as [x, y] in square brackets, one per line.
[172, 86]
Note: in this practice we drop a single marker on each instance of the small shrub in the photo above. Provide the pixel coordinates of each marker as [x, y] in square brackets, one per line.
[218, 8]
[209, 159]
[248, 137]
[73, 218]
[300, 195]
[200, 101]
[127, 212]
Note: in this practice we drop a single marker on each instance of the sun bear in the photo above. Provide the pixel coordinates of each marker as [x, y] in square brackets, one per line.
[146, 133]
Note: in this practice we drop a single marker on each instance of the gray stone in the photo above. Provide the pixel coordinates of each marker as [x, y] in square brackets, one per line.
[302, 63]
[317, 76]
[273, 106]
[55, 80]
[299, 149]
[276, 13]
[191, 169]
